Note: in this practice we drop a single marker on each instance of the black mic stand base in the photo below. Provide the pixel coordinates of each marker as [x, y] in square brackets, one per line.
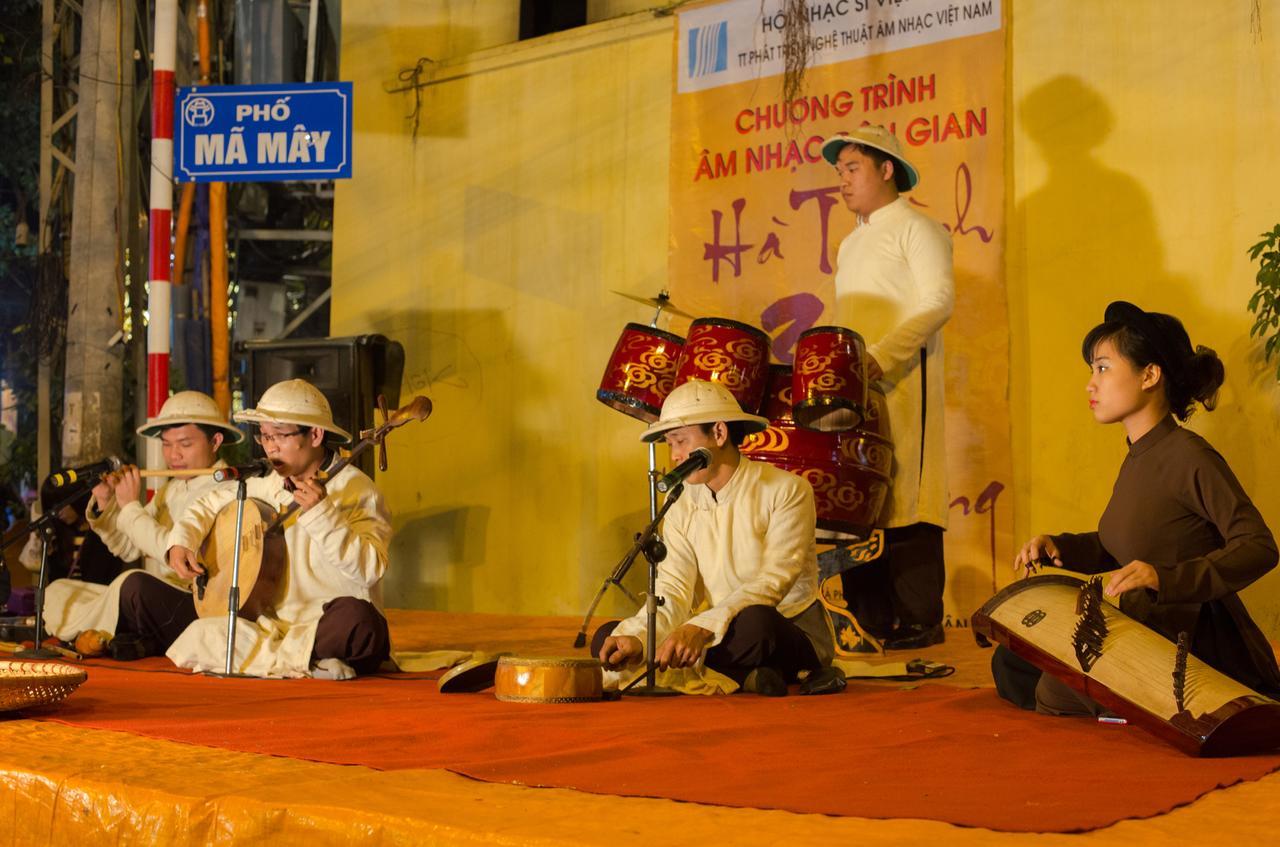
[651, 691]
[37, 653]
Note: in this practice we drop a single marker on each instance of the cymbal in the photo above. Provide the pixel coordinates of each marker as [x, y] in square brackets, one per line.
[662, 301]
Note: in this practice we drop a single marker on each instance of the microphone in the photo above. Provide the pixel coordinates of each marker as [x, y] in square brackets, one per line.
[258, 467]
[71, 475]
[698, 459]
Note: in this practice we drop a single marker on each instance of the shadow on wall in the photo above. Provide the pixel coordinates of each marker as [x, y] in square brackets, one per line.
[434, 556]
[1087, 236]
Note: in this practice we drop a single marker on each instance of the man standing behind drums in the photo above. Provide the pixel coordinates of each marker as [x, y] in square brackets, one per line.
[190, 429]
[740, 543]
[327, 619]
[894, 286]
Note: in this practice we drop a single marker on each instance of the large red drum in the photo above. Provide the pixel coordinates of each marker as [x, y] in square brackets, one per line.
[850, 471]
[728, 352]
[641, 371]
[829, 388]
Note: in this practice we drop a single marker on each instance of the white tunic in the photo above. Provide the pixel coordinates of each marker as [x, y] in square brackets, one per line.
[894, 286]
[751, 543]
[338, 548]
[132, 532]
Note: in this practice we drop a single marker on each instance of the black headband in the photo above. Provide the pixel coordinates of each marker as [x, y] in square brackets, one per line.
[1168, 340]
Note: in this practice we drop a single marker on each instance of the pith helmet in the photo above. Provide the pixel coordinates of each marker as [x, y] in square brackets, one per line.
[294, 401]
[697, 402]
[190, 407]
[881, 139]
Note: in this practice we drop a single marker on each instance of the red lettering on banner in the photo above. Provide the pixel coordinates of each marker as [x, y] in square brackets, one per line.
[798, 112]
[724, 165]
[895, 92]
[945, 127]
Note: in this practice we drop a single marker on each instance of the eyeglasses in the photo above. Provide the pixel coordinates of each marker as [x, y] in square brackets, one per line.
[264, 439]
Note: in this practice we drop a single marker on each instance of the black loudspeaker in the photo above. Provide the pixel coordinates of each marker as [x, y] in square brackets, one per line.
[350, 372]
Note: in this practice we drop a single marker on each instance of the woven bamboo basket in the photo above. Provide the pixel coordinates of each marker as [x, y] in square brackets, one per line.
[28, 685]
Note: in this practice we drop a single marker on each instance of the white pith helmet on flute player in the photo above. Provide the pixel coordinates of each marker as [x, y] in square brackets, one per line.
[294, 401]
[190, 407]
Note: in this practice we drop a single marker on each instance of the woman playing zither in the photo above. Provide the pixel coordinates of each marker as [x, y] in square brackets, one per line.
[1180, 532]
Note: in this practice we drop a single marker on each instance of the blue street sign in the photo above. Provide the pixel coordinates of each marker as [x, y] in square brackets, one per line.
[263, 133]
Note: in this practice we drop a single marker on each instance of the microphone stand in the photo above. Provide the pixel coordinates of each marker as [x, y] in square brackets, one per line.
[233, 596]
[654, 551]
[650, 544]
[43, 525]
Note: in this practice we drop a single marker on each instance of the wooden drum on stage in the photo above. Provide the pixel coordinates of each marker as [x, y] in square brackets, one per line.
[829, 388]
[728, 352]
[522, 679]
[641, 372]
[1128, 667]
[850, 471]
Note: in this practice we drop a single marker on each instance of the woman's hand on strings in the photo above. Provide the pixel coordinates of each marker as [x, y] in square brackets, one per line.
[1136, 574]
[1035, 553]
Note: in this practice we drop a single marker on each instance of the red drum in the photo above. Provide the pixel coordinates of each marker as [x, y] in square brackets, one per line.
[641, 371]
[830, 383]
[876, 419]
[850, 471]
[728, 352]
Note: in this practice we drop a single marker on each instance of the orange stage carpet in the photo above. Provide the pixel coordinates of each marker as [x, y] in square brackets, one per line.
[936, 752]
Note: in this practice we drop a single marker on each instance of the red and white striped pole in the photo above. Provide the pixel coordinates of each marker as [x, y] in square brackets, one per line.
[159, 273]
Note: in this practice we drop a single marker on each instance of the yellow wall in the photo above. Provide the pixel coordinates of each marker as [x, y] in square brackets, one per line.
[488, 245]
[1144, 164]
[1141, 145]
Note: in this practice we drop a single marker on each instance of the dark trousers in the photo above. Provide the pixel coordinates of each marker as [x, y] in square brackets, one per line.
[903, 587]
[1027, 687]
[758, 636]
[349, 629]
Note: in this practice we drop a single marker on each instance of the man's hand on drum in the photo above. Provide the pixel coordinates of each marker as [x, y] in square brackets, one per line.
[127, 483]
[1037, 552]
[183, 561]
[683, 647]
[619, 650]
[1136, 574]
[307, 493]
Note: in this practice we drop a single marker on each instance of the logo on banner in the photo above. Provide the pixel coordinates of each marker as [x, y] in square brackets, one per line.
[198, 112]
[709, 49]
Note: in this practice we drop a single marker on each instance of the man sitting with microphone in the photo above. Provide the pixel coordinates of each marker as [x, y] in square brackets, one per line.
[327, 619]
[190, 429]
[740, 580]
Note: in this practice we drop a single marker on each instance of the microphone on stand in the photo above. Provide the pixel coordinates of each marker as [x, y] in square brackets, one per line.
[72, 475]
[698, 459]
[258, 467]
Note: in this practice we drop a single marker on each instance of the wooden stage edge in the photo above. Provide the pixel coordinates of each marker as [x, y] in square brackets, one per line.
[64, 785]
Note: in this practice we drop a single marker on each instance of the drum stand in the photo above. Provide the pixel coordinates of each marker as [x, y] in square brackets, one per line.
[44, 526]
